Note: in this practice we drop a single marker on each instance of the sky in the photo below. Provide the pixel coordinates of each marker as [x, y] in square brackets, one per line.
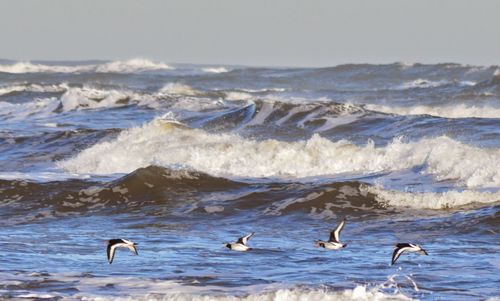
[253, 32]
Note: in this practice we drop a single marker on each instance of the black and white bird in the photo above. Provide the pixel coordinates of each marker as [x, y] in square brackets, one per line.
[406, 247]
[241, 244]
[119, 243]
[334, 242]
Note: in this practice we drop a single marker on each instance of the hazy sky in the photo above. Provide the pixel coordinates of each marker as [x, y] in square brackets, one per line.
[253, 32]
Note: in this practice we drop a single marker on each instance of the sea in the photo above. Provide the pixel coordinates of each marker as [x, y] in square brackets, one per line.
[183, 159]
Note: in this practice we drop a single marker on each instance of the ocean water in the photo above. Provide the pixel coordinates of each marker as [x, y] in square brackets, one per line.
[182, 159]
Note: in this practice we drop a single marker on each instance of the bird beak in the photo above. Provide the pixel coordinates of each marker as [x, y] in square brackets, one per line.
[425, 252]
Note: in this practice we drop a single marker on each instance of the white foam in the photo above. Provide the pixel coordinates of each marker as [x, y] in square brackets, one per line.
[263, 90]
[432, 200]
[140, 288]
[237, 96]
[405, 65]
[90, 98]
[42, 176]
[214, 209]
[330, 114]
[422, 83]
[165, 143]
[28, 67]
[129, 66]
[134, 289]
[265, 111]
[215, 70]
[426, 83]
[76, 98]
[359, 293]
[178, 89]
[454, 111]
[25, 87]
[18, 111]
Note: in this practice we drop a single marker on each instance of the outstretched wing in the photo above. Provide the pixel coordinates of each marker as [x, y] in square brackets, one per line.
[243, 240]
[335, 234]
[397, 252]
[111, 252]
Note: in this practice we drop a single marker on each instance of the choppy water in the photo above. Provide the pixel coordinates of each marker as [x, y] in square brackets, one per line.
[182, 159]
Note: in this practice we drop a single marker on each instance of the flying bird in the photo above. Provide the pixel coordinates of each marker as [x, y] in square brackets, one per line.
[119, 243]
[240, 244]
[334, 242]
[406, 247]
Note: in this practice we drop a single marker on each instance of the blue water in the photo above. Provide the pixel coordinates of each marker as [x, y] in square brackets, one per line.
[182, 161]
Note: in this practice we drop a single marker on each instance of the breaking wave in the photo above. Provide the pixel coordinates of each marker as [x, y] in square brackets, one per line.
[90, 287]
[432, 200]
[18, 111]
[297, 294]
[90, 98]
[26, 87]
[179, 89]
[81, 98]
[165, 143]
[158, 191]
[421, 83]
[247, 109]
[129, 66]
[425, 83]
[215, 70]
[452, 111]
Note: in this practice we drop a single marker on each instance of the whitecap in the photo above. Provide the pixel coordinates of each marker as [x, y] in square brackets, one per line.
[128, 66]
[215, 70]
[451, 111]
[431, 200]
[229, 154]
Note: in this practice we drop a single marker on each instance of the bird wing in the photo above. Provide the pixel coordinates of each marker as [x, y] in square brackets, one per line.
[243, 240]
[397, 252]
[111, 252]
[335, 234]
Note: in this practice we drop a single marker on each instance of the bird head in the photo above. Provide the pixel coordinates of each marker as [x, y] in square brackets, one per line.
[420, 249]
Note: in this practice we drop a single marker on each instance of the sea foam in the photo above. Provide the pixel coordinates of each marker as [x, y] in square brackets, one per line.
[128, 66]
[25, 87]
[432, 200]
[359, 293]
[215, 70]
[165, 143]
[455, 111]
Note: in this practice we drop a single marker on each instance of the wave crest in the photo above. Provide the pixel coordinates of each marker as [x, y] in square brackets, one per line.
[27, 87]
[129, 66]
[454, 111]
[215, 70]
[232, 155]
[432, 200]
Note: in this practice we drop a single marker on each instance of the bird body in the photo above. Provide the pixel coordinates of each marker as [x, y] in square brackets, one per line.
[330, 245]
[406, 247]
[241, 244]
[119, 243]
[333, 242]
